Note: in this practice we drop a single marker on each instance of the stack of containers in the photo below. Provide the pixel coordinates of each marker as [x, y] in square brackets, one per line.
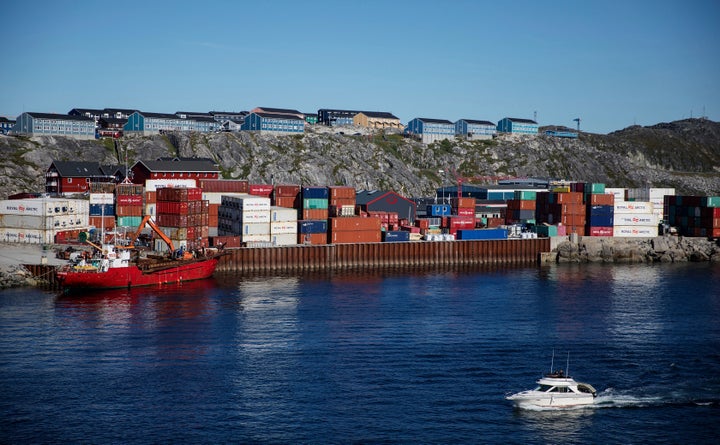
[429, 226]
[102, 210]
[41, 220]
[635, 219]
[521, 209]
[315, 203]
[654, 195]
[389, 221]
[129, 206]
[283, 226]
[341, 201]
[600, 210]
[212, 192]
[617, 192]
[182, 215]
[247, 216]
[463, 206]
[312, 232]
[562, 208]
[354, 229]
[452, 224]
[695, 215]
[287, 195]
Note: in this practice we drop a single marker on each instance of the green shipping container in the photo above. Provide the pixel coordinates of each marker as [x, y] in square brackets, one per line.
[711, 201]
[546, 230]
[128, 221]
[525, 195]
[315, 203]
[597, 188]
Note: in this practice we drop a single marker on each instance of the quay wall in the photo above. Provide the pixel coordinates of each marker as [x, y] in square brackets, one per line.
[380, 255]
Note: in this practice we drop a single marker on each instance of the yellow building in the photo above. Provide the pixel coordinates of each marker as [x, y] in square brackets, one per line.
[377, 120]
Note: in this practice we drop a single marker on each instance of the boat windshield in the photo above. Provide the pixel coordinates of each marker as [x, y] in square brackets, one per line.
[544, 388]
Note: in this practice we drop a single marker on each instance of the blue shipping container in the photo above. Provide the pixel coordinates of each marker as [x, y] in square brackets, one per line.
[600, 220]
[438, 210]
[395, 236]
[482, 234]
[313, 226]
[601, 211]
[102, 209]
[315, 193]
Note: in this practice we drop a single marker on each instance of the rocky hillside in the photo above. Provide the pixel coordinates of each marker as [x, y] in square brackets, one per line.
[683, 154]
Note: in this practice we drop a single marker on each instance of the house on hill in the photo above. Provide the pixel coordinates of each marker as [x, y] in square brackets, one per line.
[144, 123]
[286, 111]
[332, 117]
[517, 126]
[50, 124]
[273, 123]
[376, 120]
[6, 125]
[430, 130]
[173, 169]
[475, 129]
[70, 177]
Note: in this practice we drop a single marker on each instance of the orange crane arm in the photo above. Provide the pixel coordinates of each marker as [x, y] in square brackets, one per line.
[147, 220]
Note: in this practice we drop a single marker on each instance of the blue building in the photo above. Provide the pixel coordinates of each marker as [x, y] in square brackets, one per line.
[154, 123]
[6, 125]
[517, 126]
[430, 130]
[474, 129]
[48, 124]
[273, 123]
[332, 118]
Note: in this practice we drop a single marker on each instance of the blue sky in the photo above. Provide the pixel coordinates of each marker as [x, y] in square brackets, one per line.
[610, 63]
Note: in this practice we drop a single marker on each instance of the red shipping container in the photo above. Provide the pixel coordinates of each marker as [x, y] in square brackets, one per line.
[461, 222]
[312, 238]
[99, 221]
[465, 211]
[150, 197]
[410, 229]
[128, 210]
[710, 212]
[495, 222]
[462, 202]
[129, 200]
[315, 214]
[342, 201]
[355, 236]
[354, 223]
[605, 199]
[422, 223]
[599, 231]
[568, 197]
[290, 202]
[573, 220]
[287, 191]
[342, 192]
[225, 241]
[264, 190]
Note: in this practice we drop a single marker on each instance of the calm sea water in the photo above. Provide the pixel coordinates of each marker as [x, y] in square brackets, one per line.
[387, 357]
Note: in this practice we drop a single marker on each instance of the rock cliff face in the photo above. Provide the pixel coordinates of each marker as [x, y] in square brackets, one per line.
[629, 251]
[683, 154]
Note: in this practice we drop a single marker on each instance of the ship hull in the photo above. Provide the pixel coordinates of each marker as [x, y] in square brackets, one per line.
[133, 276]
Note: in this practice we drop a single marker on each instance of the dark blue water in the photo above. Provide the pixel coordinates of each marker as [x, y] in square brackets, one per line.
[385, 357]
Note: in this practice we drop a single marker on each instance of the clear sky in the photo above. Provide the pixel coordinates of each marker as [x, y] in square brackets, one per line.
[610, 63]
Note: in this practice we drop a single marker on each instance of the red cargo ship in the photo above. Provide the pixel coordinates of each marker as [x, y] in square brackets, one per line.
[119, 267]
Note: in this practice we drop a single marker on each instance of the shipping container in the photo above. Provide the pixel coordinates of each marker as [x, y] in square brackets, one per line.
[315, 214]
[101, 210]
[635, 231]
[546, 230]
[636, 219]
[128, 221]
[283, 227]
[178, 194]
[633, 207]
[283, 214]
[395, 236]
[315, 203]
[312, 238]
[525, 195]
[604, 199]
[264, 190]
[601, 219]
[439, 210]
[288, 202]
[287, 191]
[599, 231]
[566, 198]
[102, 198]
[152, 185]
[248, 202]
[283, 239]
[223, 185]
[355, 236]
[29, 236]
[129, 200]
[341, 192]
[125, 189]
[354, 223]
[315, 193]
[482, 234]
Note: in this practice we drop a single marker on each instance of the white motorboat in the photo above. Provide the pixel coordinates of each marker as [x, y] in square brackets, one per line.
[555, 390]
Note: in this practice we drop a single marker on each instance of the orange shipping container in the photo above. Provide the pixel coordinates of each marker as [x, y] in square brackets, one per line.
[342, 192]
[290, 202]
[355, 236]
[150, 197]
[338, 202]
[315, 214]
[126, 210]
[312, 238]
[569, 198]
[223, 185]
[102, 221]
[605, 199]
[287, 191]
[463, 202]
[354, 223]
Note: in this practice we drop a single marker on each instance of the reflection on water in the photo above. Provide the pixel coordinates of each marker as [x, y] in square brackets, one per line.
[556, 425]
[636, 295]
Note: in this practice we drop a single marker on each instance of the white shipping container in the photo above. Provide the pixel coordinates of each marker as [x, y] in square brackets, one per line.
[254, 216]
[283, 227]
[44, 222]
[283, 214]
[618, 193]
[633, 207]
[43, 206]
[255, 238]
[659, 193]
[635, 231]
[29, 236]
[150, 209]
[284, 239]
[102, 198]
[216, 197]
[161, 246]
[636, 219]
[246, 202]
[151, 185]
[255, 229]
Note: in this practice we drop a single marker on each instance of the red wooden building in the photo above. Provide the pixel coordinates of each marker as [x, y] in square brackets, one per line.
[69, 177]
[175, 168]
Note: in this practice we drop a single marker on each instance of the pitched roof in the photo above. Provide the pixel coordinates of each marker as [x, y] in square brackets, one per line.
[471, 121]
[379, 114]
[363, 197]
[277, 110]
[521, 121]
[276, 115]
[79, 169]
[158, 115]
[4, 119]
[56, 116]
[199, 165]
[435, 121]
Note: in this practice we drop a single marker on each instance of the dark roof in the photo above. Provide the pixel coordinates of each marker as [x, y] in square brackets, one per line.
[200, 165]
[65, 117]
[379, 114]
[158, 115]
[471, 121]
[363, 197]
[278, 110]
[194, 113]
[120, 110]
[114, 120]
[79, 168]
[435, 121]
[93, 111]
[230, 113]
[276, 115]
[522, 121]
[4, 119]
